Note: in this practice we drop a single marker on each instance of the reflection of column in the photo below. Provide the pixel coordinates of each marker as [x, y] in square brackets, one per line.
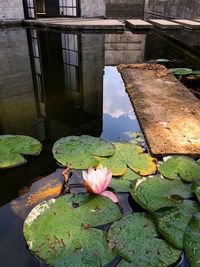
[17, 101]
[124, 48]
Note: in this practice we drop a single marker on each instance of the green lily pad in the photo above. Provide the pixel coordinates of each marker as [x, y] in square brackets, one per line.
[79, 151]
[187, 168]
[162, 60]
[119, 185]
[196, 188]
[192, 241]
[132, 155]
[172, 222]
[181, 71]
[196, 73]
[156, 192]
[60, 231]
[136, 240]
[12, 148]
[129, 175]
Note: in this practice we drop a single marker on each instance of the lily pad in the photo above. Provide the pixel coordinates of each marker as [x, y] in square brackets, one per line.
[119, 185]
[156, 192]
[192, 241]
[132, 155]
[181, 71]
[172, 222]
[196, 73]
[79, 151]
[13, 147]
[60, 231]
[187, 168]
[162, 60]
[196, 188]
[136, 240]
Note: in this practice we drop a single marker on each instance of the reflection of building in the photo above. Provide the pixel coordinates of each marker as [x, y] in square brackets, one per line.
[17, 100]
[68, 80]
[124, 48]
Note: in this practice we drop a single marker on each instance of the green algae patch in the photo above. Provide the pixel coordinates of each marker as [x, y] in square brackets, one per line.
[13, 147]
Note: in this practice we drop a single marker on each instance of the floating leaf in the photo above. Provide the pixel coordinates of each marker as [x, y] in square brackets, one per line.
[119, 185]
[79, 151]
[196, 73]
[136, 240]
[155, 192]
[196, 188]
[58, 230]
[130, 175]
[172, 222]
[181, 71]
[162, 60]
[187, 168]
[192, 241]
[12, 148]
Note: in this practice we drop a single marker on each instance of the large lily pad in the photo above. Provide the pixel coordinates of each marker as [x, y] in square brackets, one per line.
[196, 188]
[172, 222]
[79, 151]
[192, 241]
[175, 166]
[132, 155]
[136, 240]
[156, 192]
[181, 71]
[12, 148]
[59, 230]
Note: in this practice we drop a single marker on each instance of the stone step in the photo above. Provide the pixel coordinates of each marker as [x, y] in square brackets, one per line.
[165, 24]
[167, 111]
[189, 24]
[138, 24]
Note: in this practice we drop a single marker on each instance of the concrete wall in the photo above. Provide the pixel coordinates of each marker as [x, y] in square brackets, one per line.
[124, 8]
[11, 10]
[124, 48]
[93, 8]
[174, 8]
[17, 100]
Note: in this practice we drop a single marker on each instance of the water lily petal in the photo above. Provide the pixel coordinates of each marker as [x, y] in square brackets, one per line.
[110, 195]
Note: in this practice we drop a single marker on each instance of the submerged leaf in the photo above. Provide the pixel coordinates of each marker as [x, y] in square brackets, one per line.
[12, 148]
[136, 240]
[155, 192]
[187, 168]
[60, 232]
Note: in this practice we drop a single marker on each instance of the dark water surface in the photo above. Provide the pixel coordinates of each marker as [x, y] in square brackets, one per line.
[55, 84]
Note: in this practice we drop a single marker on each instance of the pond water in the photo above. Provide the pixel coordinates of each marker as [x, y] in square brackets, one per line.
[55, 84]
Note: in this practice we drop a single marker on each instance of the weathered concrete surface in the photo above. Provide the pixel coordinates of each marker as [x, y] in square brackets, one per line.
[189, 24]
[186, 9]
[78, 23]
[168, 113]
[138, 24]
[165, 24]
[124, 8]
[92, 8]
[11, 10]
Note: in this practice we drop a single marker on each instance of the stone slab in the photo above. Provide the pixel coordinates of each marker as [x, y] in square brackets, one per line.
[168, 113]
[138, 24]
[165, 24]
[189, 24]
[78, 23]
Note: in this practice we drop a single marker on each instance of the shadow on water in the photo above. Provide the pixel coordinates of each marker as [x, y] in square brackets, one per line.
[58, 84]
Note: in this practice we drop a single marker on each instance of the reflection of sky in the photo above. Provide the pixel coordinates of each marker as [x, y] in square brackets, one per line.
[118, 113]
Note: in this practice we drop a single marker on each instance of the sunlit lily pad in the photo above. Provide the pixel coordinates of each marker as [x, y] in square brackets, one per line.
[187, 168]
[79, 151]
[172, 222]
[155, 192]
[13, 147]
[136, 240]
[60, 231]
[192, 241]
[196, 188]
[181, 71]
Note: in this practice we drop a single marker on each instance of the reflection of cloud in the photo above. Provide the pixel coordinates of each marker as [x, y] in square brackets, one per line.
[116, 102]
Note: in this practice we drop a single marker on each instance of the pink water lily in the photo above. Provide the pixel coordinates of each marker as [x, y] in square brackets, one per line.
[96, 181]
